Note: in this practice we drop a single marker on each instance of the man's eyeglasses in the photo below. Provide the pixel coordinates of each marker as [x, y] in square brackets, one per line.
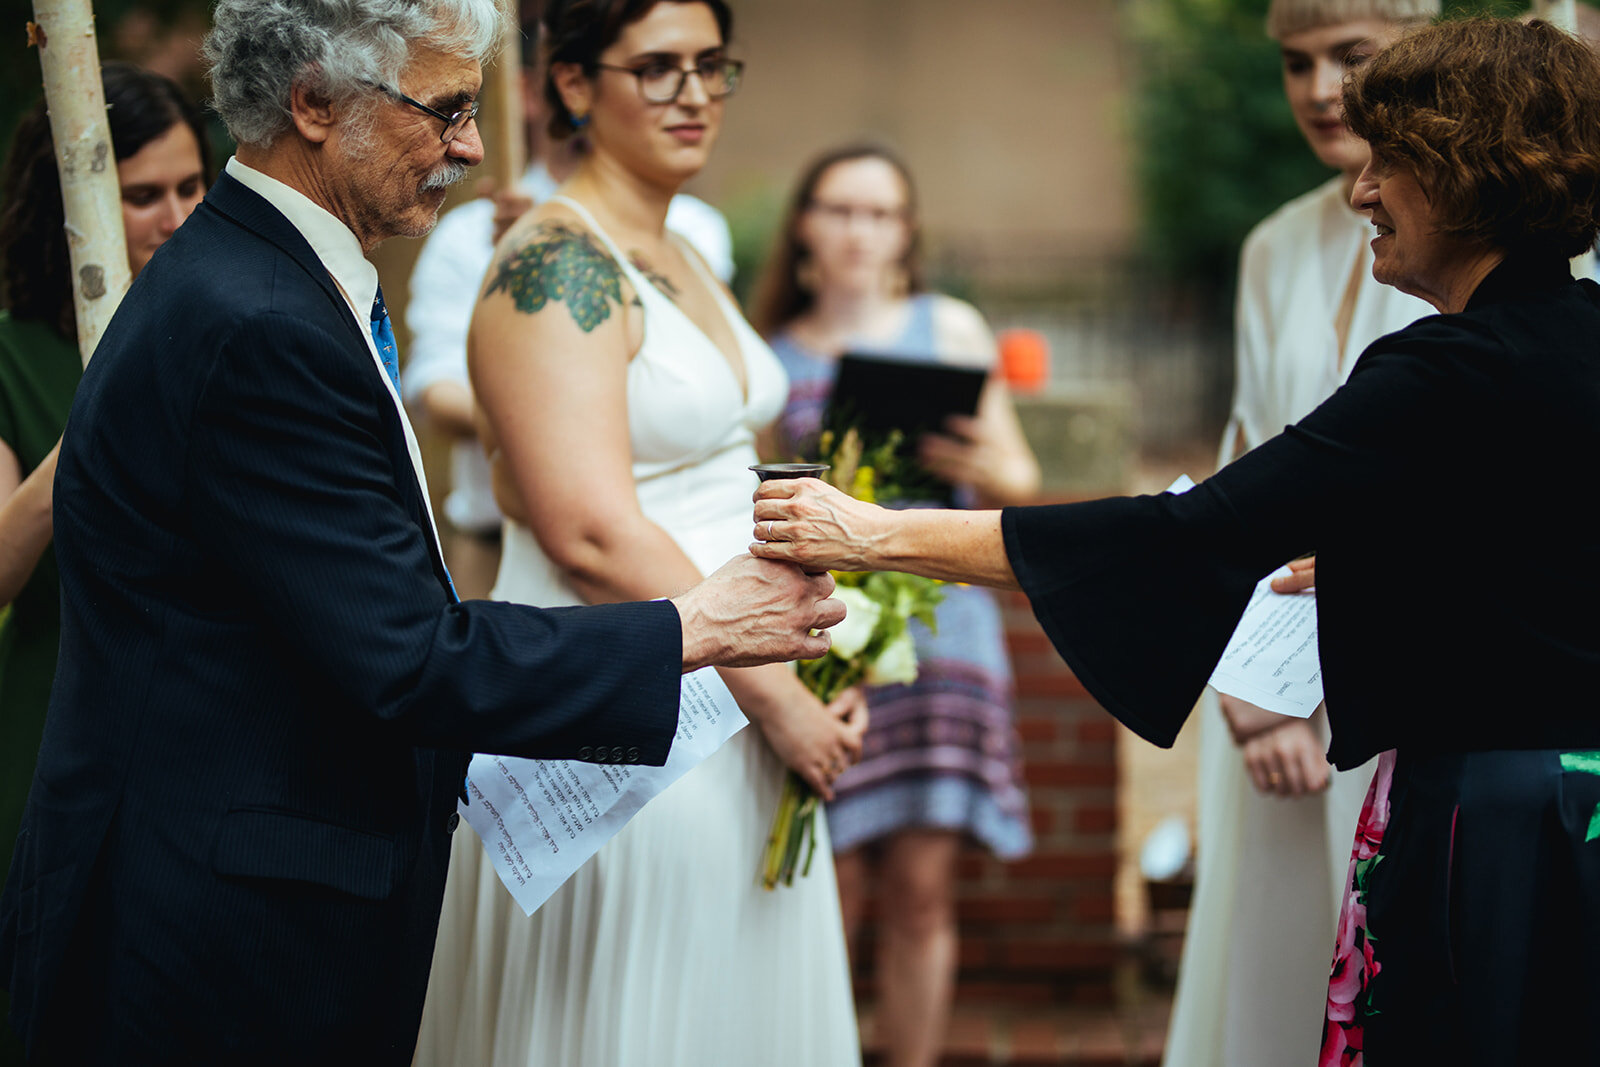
[453, 123]
[661, 82]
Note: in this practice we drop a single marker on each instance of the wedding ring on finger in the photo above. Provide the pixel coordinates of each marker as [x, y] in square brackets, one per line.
[768, 537]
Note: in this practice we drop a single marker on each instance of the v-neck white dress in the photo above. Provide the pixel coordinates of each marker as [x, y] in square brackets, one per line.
[662, 950]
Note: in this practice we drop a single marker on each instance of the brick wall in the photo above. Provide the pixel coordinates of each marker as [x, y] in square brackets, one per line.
[1040, 930]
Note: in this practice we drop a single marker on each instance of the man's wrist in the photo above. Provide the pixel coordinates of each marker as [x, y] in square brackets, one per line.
[699, 645]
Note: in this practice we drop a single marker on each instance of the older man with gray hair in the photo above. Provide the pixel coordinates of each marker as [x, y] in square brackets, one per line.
[236, 840]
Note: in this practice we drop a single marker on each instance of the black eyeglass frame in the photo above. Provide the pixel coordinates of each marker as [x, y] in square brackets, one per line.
[733, 70]
[453, 124]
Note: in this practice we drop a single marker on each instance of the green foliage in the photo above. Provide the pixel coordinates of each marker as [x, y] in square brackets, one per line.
[1217, 148]
[754, 213]
[149, 20]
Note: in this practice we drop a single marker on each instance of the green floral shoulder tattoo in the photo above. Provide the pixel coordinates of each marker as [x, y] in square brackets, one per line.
[560, 262]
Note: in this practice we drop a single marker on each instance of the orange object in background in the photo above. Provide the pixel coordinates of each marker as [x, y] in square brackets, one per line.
[1024, 359]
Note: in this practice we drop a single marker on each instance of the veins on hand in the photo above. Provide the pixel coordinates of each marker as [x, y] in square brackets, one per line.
[560, 262]
[659, 280]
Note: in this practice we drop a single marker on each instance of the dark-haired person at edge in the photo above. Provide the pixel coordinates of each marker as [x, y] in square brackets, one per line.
[267, 695]
[621, 392]
[159, 141]
[1455, 591]
[941, 762]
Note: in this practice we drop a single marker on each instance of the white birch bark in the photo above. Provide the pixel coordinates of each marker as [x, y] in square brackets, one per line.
[63, 30]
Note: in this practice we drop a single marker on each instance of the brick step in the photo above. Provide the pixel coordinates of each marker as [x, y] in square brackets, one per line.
[1002, 1036]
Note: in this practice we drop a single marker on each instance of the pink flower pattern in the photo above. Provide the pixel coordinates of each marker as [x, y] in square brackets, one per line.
[1355, 961]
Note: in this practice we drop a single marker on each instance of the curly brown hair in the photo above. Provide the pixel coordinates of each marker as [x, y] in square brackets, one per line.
[1498, 121]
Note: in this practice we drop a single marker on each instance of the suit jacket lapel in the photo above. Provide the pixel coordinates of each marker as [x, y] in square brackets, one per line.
[233, 199]
[244, 206]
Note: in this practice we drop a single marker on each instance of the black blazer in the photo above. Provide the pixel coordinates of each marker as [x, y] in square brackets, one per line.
[1447, 489]
[235, 845]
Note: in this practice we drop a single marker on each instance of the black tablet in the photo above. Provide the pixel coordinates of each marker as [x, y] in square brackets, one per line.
[879, 394]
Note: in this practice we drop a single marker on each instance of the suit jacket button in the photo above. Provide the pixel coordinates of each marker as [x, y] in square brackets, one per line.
[633, 754]
[586, 752]
[452, 822]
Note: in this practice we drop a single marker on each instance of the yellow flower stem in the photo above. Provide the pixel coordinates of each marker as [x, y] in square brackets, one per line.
[810, 816]
[778, 839]
[797, 831]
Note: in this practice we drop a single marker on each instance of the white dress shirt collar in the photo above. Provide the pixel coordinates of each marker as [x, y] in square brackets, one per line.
[333, 242]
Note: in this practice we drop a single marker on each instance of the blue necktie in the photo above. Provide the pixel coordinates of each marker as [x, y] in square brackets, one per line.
[383, 337]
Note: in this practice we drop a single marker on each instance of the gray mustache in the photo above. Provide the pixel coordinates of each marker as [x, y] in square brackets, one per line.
[449, 173]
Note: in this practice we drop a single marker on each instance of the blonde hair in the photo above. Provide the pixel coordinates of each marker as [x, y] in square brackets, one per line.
[1293, 16]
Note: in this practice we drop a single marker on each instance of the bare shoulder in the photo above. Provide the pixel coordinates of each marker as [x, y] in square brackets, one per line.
[962, 333]
[552, 257]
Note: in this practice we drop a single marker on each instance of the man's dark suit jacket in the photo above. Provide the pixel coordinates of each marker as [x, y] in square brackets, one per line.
[235, 845]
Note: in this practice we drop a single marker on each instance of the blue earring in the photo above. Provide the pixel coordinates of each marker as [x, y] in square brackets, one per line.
[578, 121]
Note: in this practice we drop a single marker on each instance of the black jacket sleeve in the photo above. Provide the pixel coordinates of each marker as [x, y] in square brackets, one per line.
[1140, 595]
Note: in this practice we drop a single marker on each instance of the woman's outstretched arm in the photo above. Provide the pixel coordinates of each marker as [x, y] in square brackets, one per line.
[808, 522]
[25, 525]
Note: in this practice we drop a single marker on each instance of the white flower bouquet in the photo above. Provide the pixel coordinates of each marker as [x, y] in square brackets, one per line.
[872, 646]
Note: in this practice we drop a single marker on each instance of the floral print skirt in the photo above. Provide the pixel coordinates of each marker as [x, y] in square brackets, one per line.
[1354, 958]
[1469, 932]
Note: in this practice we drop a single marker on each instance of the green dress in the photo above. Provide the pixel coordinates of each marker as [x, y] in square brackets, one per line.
[39, 372]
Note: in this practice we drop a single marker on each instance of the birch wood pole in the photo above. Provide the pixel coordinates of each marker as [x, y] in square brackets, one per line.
[63, 31]
[505, 95]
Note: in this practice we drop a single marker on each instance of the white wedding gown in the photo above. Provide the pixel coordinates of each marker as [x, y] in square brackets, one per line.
[662, 950]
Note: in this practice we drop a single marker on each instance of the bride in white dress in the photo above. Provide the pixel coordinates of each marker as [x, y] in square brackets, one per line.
[622, 391]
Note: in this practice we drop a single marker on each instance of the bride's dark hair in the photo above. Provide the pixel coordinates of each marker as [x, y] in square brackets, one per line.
[577, 31]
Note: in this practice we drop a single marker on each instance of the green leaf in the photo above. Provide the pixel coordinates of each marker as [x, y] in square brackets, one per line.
[1364, 870]
[1581, 762]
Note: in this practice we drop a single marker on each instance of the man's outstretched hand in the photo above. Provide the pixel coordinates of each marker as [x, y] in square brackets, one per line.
[754, 611]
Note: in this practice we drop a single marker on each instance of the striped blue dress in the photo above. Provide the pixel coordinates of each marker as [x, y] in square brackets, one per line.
[942, 752]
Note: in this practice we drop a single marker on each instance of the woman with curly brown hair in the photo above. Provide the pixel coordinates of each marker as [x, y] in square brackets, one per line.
[1274, 819]
[1469, 933]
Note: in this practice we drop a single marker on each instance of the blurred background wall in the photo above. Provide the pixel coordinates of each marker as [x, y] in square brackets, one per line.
[1010, 114]
[1087, 167]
